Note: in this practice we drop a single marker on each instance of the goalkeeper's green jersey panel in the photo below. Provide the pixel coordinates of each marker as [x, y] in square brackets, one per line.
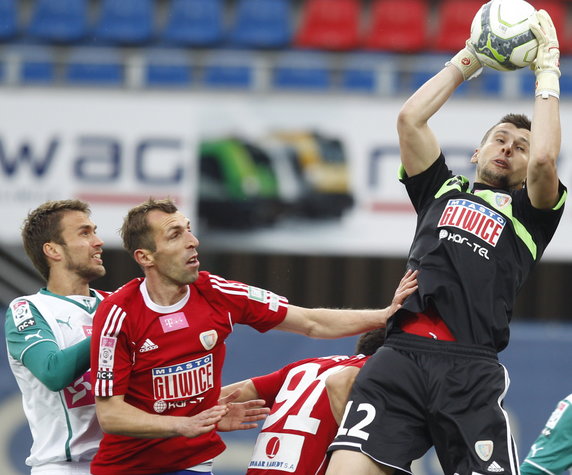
[551, 453]
[63, 423]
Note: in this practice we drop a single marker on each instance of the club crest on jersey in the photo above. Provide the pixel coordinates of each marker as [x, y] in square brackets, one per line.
[473, 218]
[484, 449]
[502, 199]
[208, 339]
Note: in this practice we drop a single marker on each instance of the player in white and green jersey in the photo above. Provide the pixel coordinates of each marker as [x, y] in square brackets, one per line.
[551, 453]
[48, 336]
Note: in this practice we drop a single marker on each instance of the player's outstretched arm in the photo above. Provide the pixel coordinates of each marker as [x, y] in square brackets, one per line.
[337, 323]
[115, 416]
[418, 145]
[545, 137]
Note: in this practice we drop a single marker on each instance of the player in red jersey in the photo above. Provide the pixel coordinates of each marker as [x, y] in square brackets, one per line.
[159, 348]
[302, 422]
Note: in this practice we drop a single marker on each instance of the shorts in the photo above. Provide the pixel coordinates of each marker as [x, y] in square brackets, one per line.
[415, 393]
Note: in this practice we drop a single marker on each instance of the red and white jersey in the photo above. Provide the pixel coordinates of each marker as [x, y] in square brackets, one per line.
[168, 360]
[300, 427]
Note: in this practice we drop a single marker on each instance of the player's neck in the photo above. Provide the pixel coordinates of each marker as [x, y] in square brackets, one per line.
[165, 293]
[70, 285]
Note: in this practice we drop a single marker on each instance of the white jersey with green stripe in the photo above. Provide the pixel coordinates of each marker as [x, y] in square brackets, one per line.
[63, 423]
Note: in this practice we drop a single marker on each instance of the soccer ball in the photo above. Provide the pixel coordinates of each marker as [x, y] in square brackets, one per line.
[501, 35]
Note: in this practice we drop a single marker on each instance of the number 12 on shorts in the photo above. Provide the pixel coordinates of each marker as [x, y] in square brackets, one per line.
[357, 429]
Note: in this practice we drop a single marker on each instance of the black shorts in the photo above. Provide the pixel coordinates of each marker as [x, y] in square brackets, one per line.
[415, 393]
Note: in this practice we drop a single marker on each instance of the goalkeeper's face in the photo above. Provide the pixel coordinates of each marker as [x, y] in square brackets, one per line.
[502, 159]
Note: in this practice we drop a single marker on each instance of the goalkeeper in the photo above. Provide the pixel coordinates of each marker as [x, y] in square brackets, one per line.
[437, 381]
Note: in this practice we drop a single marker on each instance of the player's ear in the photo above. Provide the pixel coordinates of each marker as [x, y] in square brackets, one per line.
[475, 157]
[143, 257]
[52, 250]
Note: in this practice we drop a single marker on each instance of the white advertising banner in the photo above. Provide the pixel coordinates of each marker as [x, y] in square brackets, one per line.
[115, 148]
[112, 149]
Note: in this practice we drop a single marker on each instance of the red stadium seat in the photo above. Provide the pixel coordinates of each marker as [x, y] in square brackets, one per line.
[397, 25]
[454, 24]
[329, 25]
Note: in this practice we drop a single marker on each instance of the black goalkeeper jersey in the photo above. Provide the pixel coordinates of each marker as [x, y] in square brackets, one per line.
[474, 249]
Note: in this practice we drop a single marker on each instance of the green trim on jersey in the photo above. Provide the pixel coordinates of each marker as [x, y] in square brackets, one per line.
[70, 430]
[86, 306]
[551, 452]
[458, 183]
[561, 202]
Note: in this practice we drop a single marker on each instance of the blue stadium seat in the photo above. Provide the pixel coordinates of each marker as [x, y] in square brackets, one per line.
[302, 70]
[37, 64]
[369, 73]
[94, 66]
[194, 23]
[422, 69]
[59, 21]
[167, 68]
[262, 24]
[8, 20]
[125, 22]
[229, 69]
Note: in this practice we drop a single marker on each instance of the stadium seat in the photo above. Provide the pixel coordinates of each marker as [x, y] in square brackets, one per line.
[369, 73]
[37, 64]
[454, 24]
[262, 24]
[167, 68]
[228, 69]
[8, 19]
[422, 69]
[194, 23]
[125, 22]
[329, 25]
[397, 25]
[299, 70]
[59, 21]
[91, 66]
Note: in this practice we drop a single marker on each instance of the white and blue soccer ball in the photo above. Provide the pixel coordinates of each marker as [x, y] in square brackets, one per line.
[501, 35]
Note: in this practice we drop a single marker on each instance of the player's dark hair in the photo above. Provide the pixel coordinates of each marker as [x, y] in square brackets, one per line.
[43, 225]
[520, 121]
[136, 231]
[369, 342]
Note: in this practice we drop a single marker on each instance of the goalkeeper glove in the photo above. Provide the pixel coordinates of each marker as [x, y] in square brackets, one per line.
[467, 62]
[546, 66]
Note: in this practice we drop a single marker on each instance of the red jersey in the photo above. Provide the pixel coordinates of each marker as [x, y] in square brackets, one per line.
[300, 427]
[168, 360]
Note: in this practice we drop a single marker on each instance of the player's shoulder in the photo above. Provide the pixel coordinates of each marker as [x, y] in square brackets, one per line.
[207, 282]
[24, 302]
[101, 294]
[125, 293]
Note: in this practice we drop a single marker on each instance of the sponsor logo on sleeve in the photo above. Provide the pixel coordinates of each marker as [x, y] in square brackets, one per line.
[106, 352]
[173, 321]
[22, 315]
[184, 380]
[473, 218]
[254, 293]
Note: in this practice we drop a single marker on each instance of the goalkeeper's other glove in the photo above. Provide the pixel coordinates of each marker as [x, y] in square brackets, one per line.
[546, 66]
[467, 62]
